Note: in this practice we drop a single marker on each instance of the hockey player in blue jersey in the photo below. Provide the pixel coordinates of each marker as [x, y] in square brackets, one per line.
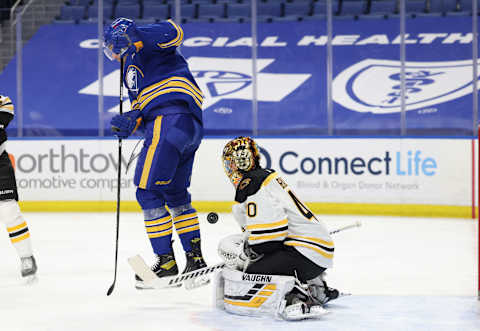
[167, 103]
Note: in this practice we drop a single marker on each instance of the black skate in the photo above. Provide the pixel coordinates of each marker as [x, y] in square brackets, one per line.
[195, 261]
[322, 293]
[164, 266]
[28, 268]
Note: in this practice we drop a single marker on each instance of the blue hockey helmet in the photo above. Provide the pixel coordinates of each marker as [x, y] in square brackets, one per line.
[115, 38]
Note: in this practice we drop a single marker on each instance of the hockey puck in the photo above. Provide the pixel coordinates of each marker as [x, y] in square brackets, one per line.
[212, 217]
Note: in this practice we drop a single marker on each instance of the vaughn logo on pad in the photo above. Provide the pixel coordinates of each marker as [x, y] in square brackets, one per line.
[374, 85]
[256, 278]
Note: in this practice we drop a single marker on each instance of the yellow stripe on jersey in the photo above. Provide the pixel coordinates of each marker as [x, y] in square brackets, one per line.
[268, 236]
[267, 225]
[152, 87]
[316, 249]
[171, 85]
[269, 178]
[17, 227]
[169, 82]
[316, 240]
[151, 152]
[270, 287]
[157, 221]
[135, 104]
[175, 41]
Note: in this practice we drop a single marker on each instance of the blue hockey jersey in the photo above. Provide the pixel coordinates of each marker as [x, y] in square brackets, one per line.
[158, 74]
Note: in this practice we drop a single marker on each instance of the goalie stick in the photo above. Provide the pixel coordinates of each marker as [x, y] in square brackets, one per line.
[150, 279]
[346, 227]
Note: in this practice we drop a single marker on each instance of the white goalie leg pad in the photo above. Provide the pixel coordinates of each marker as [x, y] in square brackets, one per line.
[254, 294]
[219, 290]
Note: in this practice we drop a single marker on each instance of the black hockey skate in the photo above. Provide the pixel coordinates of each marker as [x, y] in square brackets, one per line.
[322, 293]
[28, 268]
[195, 261]
[164, 266]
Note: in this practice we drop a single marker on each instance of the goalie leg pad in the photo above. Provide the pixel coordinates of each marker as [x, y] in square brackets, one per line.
[254, 294]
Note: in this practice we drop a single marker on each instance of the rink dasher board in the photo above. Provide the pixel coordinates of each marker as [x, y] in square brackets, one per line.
[436, 173]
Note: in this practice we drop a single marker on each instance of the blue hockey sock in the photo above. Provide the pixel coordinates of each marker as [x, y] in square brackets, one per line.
[158, 224]
[187, 227]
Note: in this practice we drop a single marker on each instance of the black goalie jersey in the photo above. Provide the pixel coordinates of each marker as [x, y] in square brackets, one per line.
[8, 187]
[6, 115]
[269, 210]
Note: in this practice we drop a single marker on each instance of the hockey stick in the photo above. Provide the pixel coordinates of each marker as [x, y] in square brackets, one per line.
[346, 227]
[150, 279]
[119, 171]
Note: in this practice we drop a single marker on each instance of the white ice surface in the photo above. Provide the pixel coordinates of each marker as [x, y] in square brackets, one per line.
[404, 274]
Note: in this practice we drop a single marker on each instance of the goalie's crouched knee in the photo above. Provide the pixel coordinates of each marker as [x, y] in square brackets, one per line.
[251, 294]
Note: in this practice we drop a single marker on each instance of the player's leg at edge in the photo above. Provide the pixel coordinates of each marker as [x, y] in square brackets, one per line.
[158, 225]
[20, 238]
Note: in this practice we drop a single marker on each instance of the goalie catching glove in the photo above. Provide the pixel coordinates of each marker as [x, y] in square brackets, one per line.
[123, 125]
[236, 252]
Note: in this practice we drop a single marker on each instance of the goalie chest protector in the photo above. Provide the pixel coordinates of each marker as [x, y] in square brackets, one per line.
[251, 183]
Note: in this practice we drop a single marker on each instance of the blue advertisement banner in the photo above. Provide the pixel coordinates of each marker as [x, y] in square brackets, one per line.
[60, 78]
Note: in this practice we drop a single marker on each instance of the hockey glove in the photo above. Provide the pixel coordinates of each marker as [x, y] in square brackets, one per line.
[247, 257]
[125, 124]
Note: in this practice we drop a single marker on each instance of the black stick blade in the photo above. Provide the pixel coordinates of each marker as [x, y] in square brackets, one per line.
[110, 290]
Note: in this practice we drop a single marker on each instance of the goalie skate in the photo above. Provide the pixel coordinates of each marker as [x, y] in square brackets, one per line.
[300, 310]
[298, 305]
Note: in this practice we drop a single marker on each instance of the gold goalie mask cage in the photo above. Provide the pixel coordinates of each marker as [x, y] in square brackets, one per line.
[239, 156]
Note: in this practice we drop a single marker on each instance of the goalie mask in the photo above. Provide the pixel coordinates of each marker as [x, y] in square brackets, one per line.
[239, 156]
